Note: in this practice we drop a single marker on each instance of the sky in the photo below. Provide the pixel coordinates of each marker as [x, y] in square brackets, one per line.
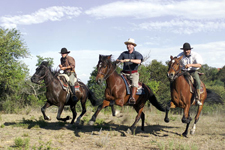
[88, 28]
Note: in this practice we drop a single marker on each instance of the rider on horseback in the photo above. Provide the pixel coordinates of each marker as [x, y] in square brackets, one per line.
[131, 60]
[68, 66]
[191, 62]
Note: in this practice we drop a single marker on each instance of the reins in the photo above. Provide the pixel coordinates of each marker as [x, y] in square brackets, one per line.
[105, 74]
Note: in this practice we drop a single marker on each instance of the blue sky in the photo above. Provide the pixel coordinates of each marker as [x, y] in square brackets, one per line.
[89, 28]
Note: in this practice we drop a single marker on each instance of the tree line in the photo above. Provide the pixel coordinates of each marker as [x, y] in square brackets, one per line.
[17, 91]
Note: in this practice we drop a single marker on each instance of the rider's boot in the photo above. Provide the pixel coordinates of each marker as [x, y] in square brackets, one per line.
[198, 97]
[132, 95]
[74, 98]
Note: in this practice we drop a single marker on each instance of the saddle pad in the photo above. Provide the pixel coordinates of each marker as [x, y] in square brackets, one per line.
[140, 91]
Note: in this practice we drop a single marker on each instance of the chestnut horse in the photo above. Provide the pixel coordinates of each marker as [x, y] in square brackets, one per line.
[181, 96]
[115, 92]
[57, 96]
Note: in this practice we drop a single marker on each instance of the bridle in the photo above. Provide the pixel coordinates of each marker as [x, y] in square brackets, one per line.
[177, 72]
[42, 77]
[107, 74]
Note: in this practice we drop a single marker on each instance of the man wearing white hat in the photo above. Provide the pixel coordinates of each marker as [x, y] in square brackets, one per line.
[131, 60]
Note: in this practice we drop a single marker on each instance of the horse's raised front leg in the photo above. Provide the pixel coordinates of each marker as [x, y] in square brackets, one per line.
[60, 109]
[47, 104]
[100, 107]
[196, 119]
[186, 118]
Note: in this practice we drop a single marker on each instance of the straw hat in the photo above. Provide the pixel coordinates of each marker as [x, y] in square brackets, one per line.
[130, 41]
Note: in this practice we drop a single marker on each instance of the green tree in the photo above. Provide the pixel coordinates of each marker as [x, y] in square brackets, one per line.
[12, 70]
[41, 59]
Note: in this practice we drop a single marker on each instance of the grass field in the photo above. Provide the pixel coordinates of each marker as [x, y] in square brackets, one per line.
[30, 131]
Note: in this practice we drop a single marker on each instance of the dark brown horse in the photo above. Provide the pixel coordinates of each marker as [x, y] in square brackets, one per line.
[57, 96]
[115, 92]
[181, 96]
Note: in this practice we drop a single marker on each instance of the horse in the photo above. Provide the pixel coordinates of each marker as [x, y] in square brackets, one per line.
[181, 95]
[58, 96]
[115, 92]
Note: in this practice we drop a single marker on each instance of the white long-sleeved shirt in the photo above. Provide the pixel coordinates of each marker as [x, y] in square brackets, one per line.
[193, 58]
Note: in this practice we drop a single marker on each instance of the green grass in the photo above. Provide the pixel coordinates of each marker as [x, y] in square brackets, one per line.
[22, 143]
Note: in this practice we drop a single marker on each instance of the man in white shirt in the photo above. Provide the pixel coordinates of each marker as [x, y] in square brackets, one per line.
[191, 62]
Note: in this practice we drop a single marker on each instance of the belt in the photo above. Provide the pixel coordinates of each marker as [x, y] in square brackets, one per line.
[133, 71]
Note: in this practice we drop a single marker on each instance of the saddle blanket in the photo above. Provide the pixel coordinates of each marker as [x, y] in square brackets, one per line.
[140, 91]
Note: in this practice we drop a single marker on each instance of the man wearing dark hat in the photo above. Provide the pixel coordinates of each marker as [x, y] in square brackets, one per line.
[68, 66]
[131, 60]
[191, 62]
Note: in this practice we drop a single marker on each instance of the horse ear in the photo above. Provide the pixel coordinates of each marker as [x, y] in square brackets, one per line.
[180, 57]
[109, 57]
[100, 56]
[171, 57]
[45, 63]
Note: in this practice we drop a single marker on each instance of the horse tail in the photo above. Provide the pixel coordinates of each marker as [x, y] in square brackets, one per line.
[90, 95]
[153, 100]
[92, 98]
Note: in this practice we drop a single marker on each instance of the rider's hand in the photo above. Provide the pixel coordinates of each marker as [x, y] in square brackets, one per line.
[188, 66]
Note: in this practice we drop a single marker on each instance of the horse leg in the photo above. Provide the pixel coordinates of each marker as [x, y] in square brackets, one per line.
[166, 119]
[186, 118]
[83, 111]
[113, 110]
[100, 107]
[196, 119]
[60, 109]
[139, 116]
[47, 104]
[73, 109]
[186, 130]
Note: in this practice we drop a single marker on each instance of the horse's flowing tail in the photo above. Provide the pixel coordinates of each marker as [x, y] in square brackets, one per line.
[154, 101]
[92, 98]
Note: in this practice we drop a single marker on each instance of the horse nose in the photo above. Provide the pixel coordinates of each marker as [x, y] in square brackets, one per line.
[99, 81]
[169, 75]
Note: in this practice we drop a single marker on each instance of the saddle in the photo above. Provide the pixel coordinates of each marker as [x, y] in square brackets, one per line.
[192, 84]
[65, 85]
[140, 89]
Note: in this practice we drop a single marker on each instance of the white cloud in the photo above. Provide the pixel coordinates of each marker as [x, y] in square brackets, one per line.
[188, 9]
[182, 26]
[55, 13]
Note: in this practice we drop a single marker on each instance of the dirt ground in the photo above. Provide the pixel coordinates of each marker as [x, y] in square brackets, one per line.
[109, 132]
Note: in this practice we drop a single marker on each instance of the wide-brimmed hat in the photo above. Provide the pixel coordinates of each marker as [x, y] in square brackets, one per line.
[130, 41]
[186, 46]
[64, 51]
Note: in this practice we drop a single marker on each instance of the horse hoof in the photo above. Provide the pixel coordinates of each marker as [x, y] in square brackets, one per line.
[47, 118]
[91, 123]
[117, 112]
[68, 118]
[167, 120]
[184, 134]
[129, 131]
[192, 131]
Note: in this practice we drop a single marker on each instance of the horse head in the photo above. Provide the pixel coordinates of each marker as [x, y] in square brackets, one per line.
[103, 68]
[40, 72]
[174, 68]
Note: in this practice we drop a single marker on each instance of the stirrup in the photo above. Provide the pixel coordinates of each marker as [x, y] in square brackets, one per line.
[131, 101]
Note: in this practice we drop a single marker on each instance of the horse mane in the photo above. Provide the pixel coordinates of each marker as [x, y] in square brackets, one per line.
[54, 72]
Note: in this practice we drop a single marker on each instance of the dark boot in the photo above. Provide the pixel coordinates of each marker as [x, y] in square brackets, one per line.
[74, 98]
[132, 95]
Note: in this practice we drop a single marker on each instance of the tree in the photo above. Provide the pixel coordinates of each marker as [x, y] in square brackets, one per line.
[12, 71]
[41, 59]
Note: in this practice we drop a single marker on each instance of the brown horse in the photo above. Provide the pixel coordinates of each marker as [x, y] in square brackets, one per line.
[115, 92]
[181, 96]
[57, 96]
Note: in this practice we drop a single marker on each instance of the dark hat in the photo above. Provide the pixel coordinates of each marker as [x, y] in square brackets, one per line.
[64, 51]
[186, 46]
